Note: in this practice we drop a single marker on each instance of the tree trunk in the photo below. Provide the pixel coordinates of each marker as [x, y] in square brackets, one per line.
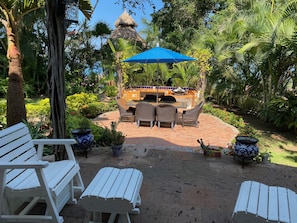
[120, 75]
[56, 29]
[16, 111]
[202, 85]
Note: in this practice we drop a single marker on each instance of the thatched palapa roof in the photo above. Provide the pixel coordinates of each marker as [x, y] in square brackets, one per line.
[125, 20]
[125, 28]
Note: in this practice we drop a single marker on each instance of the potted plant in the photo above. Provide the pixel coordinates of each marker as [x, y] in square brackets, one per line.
[83, 135]
[84, 127]
[264, 157]
[117, 139]
[209, 151]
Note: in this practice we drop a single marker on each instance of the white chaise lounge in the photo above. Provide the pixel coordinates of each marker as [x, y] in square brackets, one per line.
[259, 203]
[27, 180]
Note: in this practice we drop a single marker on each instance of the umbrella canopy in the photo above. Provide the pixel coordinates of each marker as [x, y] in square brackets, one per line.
[158, 55]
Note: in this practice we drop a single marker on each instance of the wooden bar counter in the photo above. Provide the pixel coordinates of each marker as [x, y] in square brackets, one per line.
[187, 96]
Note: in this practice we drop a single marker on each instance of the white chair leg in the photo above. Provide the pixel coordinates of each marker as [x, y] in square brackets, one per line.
[124, 218]
[112, 218]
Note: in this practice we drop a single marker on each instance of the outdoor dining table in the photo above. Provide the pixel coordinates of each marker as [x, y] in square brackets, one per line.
[177, 104]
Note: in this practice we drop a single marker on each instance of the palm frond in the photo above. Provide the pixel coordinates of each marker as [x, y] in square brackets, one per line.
[86, 8]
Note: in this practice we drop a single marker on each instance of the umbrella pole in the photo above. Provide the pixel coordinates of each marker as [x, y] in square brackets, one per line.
[158, 69]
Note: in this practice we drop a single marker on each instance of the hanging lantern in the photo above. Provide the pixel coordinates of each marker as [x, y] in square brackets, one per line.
[71, 10]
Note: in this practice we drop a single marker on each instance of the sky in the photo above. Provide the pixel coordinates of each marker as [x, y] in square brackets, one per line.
[107, 11]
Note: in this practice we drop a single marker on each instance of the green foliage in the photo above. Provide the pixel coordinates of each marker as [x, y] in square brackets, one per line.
[36, 130]
[94, 109]
[226, 116]
[112, 105]
[111, 91]
[39, 109]
[3, 86]
[75, 121]
[105, 138]
[249, 105]
[248, 130]
[179, 19]
[77, 101]
[117, 137]
[281, 111]
[232, 119]
[2, 112]
[110, 136]
[87, 104]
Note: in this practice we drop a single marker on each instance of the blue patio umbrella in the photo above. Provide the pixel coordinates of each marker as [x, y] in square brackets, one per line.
[158, 55]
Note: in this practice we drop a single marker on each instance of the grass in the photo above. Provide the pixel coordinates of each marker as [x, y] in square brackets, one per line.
[282, 150]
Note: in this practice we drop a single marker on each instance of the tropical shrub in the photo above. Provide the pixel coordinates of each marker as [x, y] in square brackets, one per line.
[3, 87]
[37, 130]
[73, 121]
[249, 105]
[3, 112]
[94, 109]
[77, 101]
[232, 119]
[39, 110]
[111, 91]
[226, 116]
[281, 111]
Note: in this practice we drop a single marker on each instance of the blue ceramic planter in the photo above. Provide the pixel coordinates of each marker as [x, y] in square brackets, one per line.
[84, 139]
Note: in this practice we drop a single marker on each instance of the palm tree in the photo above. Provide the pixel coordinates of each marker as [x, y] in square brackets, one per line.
[101, 30]
[11, 15]
[121, 49]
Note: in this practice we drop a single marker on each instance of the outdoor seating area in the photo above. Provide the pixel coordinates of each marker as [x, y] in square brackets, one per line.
[165, 111]
[114, 193]
[148, 111]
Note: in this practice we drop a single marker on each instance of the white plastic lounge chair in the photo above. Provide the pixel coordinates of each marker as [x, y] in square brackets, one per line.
[259, 203]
